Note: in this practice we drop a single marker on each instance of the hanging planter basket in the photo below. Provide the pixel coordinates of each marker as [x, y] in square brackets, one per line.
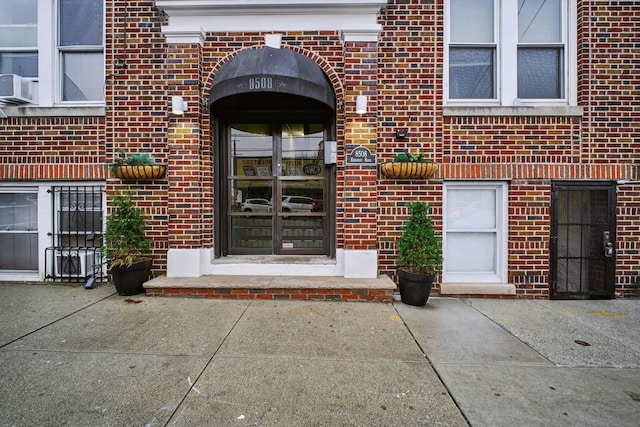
[408, 170]
[140, 172]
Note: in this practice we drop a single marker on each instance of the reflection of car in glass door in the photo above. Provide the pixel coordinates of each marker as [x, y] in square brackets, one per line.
[256, 205]
[297, 204]
[276, 188]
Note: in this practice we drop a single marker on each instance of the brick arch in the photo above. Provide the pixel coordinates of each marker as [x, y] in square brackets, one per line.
[326, 68]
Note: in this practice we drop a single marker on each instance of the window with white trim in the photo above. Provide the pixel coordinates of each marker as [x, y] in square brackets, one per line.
[52, 231]
[475, 232]
[59, 44]
[507, 52]
[81, 58]
[18, 229]
[19, 37]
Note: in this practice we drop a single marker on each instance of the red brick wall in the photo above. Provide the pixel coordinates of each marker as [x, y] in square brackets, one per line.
[609, 81]
[628, 238]
[527, 150]
[52, 148]
[137, 106]
[529, 231]
[409, 94]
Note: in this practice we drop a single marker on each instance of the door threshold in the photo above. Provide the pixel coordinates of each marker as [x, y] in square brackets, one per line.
[275, 259]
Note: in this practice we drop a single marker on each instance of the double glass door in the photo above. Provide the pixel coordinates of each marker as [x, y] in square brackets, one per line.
[276, 189]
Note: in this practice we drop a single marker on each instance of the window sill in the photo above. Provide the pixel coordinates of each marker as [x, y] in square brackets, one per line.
[477, 289]
[35, 111]
[549, 111]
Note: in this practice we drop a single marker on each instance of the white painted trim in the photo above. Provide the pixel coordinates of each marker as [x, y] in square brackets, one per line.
[67, 111]
[180, 35]
[357, 19]
[528, 111]
[360, 35]
[185, 262]
[45, 92]
[502, 229]
[45, 198]
[200, 262]
[241, 7]
[361, 264]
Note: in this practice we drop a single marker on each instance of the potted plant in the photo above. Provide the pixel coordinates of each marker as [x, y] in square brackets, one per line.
[408, 165]
[419, 255]
[138, 166]
[126, 248]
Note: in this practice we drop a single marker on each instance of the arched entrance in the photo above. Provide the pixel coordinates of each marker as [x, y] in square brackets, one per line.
[273, 112]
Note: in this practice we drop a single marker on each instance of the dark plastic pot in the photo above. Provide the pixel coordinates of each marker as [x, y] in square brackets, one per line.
[130, 280]
[415, 288]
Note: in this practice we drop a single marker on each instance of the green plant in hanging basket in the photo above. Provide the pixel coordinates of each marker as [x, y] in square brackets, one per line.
[407, 165]
[138, 166]
[409, 157]
[124, 159]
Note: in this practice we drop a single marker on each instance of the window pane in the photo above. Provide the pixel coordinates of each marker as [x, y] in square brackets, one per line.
[471, 73]
[81, 22]
[471, 209]
[19, 251]
[18, 231]
[24, 64]
[472, 21]
[83, 76]
[471, 253]
[539, 21]
[18, 12]
[81, 198]
[540, 73]
[18, 212]
[19, 36]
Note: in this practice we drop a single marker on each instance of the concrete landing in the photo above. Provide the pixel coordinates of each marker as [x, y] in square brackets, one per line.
[275, 287]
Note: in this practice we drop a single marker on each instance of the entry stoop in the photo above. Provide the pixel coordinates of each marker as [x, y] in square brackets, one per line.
[317, 288]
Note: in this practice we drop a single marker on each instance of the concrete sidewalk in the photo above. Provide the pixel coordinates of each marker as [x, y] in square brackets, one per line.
[70, 356]
[535, 362]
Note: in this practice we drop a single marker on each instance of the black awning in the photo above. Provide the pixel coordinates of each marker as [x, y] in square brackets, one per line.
[269, 70]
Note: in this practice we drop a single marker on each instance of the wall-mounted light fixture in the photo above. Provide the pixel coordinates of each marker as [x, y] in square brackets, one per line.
[178, 105]
[402, 133]
[361, 104]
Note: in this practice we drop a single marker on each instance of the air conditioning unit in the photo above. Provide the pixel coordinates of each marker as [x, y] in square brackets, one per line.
[15, 89]
[77, 263]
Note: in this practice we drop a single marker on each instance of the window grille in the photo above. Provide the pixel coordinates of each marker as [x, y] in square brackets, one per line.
[78, 229]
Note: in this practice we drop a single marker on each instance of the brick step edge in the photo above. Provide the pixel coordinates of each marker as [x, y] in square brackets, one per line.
[371, 295]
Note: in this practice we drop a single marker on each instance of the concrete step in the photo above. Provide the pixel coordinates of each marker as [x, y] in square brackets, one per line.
[328, 288]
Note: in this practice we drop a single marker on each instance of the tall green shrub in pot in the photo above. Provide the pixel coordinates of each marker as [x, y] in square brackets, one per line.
[419, 256]
[127, 248]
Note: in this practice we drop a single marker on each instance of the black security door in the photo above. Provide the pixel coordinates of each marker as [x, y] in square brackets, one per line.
[583, 239]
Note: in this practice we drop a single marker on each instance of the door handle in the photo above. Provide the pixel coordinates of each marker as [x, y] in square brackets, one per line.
[607, 244]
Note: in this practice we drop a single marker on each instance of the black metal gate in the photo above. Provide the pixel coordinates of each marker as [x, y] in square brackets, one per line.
[77, 224]
[583, 236]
